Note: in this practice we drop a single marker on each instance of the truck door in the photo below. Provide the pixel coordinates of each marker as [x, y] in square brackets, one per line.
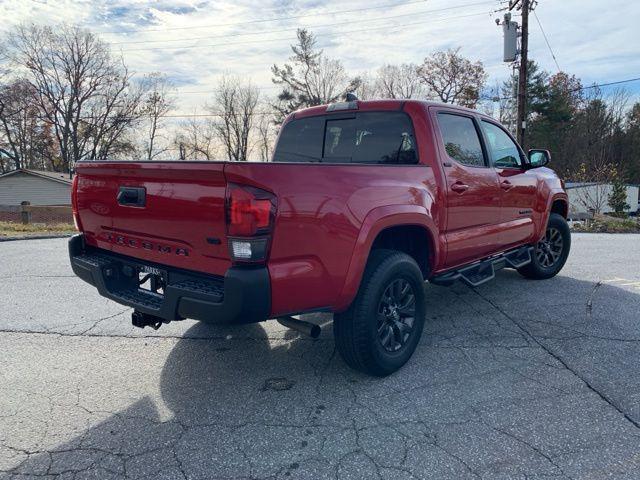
[472, 189]
[518, 186]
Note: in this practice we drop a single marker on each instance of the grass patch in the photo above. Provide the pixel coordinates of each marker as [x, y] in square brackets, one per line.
[608, 224]
[14, 229]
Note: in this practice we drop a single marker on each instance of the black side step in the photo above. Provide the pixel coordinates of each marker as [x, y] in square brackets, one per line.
[481, 272]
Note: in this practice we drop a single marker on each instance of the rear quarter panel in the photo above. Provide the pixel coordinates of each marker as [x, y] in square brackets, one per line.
[321, 214]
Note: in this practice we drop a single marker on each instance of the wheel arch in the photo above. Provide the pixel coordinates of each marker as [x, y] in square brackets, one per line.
[410, 239]
[560, 206]
[405, 226]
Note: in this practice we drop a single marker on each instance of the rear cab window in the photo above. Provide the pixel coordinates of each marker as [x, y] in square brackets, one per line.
[359, 138]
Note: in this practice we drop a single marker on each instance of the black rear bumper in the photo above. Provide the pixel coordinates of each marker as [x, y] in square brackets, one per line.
[243, 295]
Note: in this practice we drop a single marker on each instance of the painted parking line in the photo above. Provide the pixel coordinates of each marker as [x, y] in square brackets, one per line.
[623, 282]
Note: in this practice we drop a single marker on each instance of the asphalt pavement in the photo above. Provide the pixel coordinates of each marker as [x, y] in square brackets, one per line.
[516, 379]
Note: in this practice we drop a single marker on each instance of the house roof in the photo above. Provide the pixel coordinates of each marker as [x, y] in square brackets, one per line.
[55, 176]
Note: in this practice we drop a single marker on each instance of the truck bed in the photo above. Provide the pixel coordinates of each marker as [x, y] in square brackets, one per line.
[321, 209]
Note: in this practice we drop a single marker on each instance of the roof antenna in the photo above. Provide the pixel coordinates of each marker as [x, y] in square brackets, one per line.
[351, 97]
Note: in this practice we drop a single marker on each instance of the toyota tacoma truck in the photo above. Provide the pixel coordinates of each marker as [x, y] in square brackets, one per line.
[362, 203]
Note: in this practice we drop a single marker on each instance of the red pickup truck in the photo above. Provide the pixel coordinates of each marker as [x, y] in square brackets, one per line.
[363, 202]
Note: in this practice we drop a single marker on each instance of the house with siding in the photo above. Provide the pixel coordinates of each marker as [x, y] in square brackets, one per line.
[49, 195]
[35, 186]
[598, 193]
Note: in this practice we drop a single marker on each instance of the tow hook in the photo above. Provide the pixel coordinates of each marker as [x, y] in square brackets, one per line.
[141, 320]
[301, 326]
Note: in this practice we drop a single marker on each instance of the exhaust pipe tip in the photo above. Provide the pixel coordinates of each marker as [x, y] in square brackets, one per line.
[315, 331]
[310, 329]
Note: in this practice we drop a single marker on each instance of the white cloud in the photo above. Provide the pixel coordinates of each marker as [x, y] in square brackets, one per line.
[595, 43]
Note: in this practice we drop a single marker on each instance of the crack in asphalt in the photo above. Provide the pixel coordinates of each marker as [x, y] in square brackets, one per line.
[580, 334]
[12, 277]
[589, 308]
[535, 449]
[559, 358]
[169, 337]
[372, 439]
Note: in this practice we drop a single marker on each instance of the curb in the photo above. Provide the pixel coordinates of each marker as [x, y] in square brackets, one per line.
[36, 237]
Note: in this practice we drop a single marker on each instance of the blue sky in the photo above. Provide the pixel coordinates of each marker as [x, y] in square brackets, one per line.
[194, 42]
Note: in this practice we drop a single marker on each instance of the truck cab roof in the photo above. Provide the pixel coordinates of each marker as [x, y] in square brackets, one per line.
[374, 105]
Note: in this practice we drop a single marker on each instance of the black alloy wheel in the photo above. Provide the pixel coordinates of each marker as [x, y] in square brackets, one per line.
[549, 249]
[551, 252]
[396, 315]
[382, 327]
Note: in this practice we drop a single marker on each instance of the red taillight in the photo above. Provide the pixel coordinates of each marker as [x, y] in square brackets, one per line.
[250, 216]
[250, 211]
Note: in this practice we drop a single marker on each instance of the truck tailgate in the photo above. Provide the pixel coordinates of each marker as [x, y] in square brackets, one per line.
[179, 222]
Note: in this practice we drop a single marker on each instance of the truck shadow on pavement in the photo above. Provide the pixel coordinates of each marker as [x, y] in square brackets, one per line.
[504, 385]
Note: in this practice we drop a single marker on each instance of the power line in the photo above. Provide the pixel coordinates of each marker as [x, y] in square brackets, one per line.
[349, 22]
[606, 84]
[544, 35]
[285, 39]
[578, 89]
[205, 115]
[264, 20]
[220, 114]
[189, 92]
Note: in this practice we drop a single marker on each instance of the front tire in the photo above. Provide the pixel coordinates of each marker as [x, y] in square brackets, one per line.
[550, 253]
[381, 329]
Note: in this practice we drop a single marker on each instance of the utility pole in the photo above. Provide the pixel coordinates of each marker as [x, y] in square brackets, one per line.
[522, 75]
[511, 32]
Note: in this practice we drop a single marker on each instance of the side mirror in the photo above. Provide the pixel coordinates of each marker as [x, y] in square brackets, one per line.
[538, 158]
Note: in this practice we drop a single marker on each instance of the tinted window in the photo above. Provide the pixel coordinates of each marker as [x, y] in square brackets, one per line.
[301, 141]
[461, 139]
[502, 150]
[370, 137]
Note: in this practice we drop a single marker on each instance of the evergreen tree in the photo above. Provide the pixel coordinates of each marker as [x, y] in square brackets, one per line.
[618, 195]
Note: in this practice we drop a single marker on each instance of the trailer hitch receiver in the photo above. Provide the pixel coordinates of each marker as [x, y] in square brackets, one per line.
[141, 320]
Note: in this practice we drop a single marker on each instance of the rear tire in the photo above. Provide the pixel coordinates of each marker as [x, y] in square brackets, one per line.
[550, 254]
[382, 327]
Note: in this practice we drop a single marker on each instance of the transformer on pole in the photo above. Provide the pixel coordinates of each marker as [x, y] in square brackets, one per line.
[510, 31]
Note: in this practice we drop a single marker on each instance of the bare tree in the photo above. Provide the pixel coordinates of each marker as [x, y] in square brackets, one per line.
[157, 103]
[310, 79]
[452, 78]
[81, 90]
[366, 88]
[25, 139]
[399, 81]
[594, 186]
[235, 103]
[197, 139]
[266, 132]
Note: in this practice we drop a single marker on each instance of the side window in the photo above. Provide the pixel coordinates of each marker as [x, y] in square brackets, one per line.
[504, 153]
[461, 139]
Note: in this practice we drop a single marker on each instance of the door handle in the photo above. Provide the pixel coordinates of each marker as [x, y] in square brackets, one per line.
[506, 185]
[132, 196]
[459, 187]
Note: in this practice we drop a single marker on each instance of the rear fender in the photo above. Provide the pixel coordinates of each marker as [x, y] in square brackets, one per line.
[375, 222]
